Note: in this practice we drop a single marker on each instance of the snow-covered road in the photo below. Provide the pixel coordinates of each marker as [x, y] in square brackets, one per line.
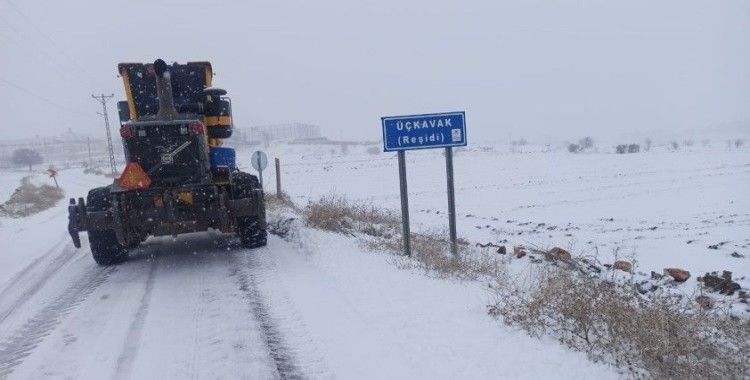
[175, 310]
[312, 305]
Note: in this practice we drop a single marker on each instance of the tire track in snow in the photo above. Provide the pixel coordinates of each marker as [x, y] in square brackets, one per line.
[198, 319]
[135, 332]
[274, 340]
[21, 344]
[38, 278]
[265, 275]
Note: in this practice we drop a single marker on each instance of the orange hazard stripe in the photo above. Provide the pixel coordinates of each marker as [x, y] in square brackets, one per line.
[129, 94]
[218, 120]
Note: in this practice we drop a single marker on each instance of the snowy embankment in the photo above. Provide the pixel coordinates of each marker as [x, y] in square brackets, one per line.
[311, 305]
[571, 298]
[372, 320]
[28, 239]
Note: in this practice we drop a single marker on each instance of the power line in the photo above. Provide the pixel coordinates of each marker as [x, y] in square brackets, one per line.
[38, 29]
[46, 60]
[72, 65]
[42, 98]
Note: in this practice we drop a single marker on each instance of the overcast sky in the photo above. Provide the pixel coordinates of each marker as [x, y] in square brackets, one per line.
[533, 68]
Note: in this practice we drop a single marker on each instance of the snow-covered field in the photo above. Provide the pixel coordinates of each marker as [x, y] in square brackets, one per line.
[316, 305]
[660, 208]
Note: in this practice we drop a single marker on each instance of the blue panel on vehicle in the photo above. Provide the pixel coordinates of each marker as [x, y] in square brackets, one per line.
[222, 157]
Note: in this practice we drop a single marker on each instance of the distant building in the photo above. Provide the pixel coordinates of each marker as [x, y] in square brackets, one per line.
[284, 132]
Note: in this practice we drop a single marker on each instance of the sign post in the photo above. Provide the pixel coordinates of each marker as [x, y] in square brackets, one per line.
[405, 231]
[259, 161]
[53, 174]
[440, 130]
[278, 178]
[451, 199]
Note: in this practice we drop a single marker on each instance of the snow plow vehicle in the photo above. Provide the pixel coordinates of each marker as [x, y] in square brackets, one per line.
[178, 177]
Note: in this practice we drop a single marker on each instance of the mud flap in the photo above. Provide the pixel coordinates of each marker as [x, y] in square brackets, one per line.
[76, 215]
[252, 206]
[79, 219]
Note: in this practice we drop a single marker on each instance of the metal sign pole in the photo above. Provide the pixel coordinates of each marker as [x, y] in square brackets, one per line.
[260, 172]
[436, 130]
[278, 178]
[451, 199]
[404, 202]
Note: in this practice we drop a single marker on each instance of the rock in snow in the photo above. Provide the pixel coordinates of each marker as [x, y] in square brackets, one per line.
[623, 265]
[679, 275]
[560, 254]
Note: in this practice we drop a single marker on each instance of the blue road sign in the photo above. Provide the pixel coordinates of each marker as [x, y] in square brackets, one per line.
[424, 131]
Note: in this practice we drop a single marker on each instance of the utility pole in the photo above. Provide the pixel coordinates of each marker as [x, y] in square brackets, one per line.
[88, 144]
[103, 100]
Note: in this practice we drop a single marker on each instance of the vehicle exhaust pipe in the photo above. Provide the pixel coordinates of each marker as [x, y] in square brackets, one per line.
[167, 110]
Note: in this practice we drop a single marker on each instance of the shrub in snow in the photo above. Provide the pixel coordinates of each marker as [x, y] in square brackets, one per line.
[659, 336]
[338, 214]
[583, 144]
[586, 143]
[627, 148]
[381, 230]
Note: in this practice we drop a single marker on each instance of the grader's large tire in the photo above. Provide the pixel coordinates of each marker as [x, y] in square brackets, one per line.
[249, 228]
[105, 248]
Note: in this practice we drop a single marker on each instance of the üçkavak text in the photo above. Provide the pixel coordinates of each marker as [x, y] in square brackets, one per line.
[423, 124]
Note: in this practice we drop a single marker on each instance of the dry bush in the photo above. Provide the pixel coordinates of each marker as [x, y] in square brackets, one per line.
[659, 336]
[431, 252]
[275, 202]
[338, 214]
[30, 199]
[381, 230]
